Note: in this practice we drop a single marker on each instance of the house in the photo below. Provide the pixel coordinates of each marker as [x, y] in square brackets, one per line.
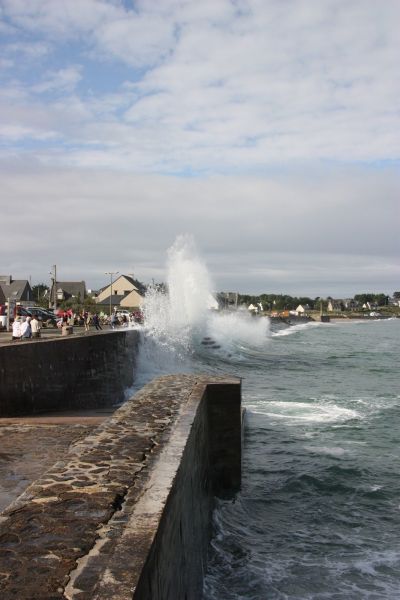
[302, 309]
[370, 306]
[124, 292]
[253, 308]
[350, 304]
[335, 306]
[65, 290]
[227, 299]
[18, 290]
[2, 296]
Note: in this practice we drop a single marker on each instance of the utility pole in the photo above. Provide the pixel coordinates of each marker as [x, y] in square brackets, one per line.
[55, 289]
[111, 273]
[8, 314]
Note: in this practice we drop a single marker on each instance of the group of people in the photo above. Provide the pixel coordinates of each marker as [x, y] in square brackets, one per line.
[25, 330]
[31, 326]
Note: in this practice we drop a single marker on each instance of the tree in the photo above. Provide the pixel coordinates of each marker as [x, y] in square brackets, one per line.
[41, 293]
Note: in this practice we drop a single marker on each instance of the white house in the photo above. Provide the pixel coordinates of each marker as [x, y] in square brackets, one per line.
[302, 309]
[253, 308]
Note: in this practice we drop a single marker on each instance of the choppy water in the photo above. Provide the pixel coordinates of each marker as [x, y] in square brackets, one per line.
[318, 516]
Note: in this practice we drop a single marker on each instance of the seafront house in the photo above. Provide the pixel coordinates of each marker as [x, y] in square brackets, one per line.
[124, 292]
[335, 306]
[17, 290]
[65, 290]
[302, 309]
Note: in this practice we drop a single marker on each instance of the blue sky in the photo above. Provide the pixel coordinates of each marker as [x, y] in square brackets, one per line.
[268, 129]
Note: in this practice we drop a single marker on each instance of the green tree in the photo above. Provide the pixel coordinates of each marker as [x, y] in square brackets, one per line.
[40, 293]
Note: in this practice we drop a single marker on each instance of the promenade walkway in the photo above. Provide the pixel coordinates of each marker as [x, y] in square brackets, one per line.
[30, 445]
[50, 333]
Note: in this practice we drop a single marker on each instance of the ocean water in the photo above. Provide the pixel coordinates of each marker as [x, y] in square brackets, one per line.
[318, 515]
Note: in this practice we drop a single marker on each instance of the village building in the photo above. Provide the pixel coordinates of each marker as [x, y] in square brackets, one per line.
[17, 290]
[303, 309]
[335, 306]
[350, 304]
[124, 292]
[66, 290]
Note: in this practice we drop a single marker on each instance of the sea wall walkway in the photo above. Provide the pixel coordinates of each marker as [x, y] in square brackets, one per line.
[126, 513]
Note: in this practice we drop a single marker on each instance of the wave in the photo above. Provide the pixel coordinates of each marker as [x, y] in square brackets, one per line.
[297, 328]
[310, 412]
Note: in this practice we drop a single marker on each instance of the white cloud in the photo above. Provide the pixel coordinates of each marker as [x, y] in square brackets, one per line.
[63, 80]
[225, 85]
[97, 100]
[28, 51]
[317, 233]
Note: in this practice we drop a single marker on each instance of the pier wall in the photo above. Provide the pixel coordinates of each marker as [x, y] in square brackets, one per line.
[66, 373]
[127, 515]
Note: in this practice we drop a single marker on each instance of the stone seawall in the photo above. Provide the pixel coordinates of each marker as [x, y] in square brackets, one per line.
[66, 373]
[127, 514]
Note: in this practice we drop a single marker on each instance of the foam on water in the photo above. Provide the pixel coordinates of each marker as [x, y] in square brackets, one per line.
[305, 411]
[297, 328]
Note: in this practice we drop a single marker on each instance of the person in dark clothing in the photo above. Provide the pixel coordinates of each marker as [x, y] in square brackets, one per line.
[96, 321]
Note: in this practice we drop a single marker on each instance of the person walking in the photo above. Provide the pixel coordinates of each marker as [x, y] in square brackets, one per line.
[35, 327]
[88, 318]
[114, 320]
[96, 322]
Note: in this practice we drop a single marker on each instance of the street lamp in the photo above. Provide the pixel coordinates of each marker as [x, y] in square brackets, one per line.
[111, 273]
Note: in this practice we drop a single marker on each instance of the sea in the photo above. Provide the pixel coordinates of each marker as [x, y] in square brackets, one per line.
[318, 513]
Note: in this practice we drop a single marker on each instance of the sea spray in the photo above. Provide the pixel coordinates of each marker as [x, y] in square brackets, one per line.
[189, 285]
[182, 325]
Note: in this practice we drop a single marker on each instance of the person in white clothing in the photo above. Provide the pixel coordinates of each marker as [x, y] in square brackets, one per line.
[16, 329]
[35, 327]
[26, 331]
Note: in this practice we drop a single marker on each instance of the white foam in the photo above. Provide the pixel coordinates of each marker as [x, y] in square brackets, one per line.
[238, 329]
[297, 328]
[305, 411]
[335, 451]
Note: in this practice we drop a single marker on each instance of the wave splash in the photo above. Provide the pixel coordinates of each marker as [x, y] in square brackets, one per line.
[182, 324]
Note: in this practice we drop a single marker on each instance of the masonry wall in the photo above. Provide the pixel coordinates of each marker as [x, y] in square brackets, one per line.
[66, 373]
[127, 514]
[210, 466]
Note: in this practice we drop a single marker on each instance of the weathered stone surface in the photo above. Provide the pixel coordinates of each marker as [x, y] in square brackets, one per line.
[126, 514]
[28, 447]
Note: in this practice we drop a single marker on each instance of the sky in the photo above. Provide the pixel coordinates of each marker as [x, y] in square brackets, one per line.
[269, 130]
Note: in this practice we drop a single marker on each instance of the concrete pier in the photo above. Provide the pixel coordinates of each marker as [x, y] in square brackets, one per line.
[126, 512]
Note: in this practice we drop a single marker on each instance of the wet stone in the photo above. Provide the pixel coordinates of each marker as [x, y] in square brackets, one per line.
[61, 517]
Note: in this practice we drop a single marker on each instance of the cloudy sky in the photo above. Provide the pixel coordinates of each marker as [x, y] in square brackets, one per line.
[267, 129]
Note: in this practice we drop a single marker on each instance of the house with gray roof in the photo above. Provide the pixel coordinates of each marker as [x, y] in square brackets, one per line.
[69, 289]
[18, 290]
[124, 292]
